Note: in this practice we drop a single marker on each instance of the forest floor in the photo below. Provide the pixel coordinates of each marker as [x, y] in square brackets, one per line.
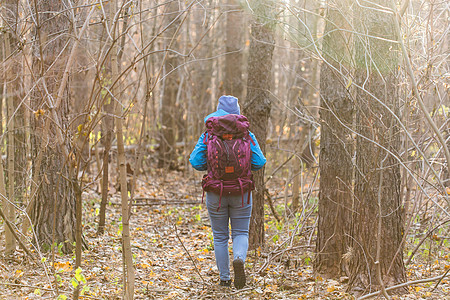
[174, 258]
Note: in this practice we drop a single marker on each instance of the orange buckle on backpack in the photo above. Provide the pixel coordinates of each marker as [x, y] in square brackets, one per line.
[229, 169]
[227, 136]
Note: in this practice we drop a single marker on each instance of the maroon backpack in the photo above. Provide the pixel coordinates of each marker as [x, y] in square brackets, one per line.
[229, 156]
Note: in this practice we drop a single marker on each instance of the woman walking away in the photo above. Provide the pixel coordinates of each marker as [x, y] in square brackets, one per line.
[228, 151]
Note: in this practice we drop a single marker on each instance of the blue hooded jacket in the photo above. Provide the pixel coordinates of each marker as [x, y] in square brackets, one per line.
[198, 157]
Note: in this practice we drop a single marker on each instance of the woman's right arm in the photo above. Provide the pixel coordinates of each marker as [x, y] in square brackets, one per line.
[258, 159]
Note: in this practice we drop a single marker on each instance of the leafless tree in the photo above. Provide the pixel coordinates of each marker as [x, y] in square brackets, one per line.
[258, 102]
[378, 224]
[336, 144]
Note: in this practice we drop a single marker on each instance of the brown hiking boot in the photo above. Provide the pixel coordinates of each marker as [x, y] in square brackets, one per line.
[239, 273]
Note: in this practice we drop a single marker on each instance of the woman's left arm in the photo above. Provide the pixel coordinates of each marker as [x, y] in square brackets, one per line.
[198, 155]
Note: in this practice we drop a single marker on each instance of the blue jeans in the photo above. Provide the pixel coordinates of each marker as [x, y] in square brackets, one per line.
[230, 209]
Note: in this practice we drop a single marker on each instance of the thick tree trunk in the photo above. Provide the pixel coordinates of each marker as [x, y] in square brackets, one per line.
[16, 151]
[167, 153]
[377, 250]
[233, 84]
[257, 109]
[336, 146]
[53, 213]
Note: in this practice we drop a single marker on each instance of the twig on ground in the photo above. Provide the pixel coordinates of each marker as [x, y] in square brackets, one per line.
[275, 254]
[242, 290]
[248, 288]
[27, 286]
[440, 277]
[187, 252]
[43, 289]
[24, 248]
[437, 283]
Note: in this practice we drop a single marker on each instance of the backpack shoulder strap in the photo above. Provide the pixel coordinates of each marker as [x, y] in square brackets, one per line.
[247, 136]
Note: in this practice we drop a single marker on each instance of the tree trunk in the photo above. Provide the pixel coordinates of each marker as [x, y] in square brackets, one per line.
[202, 74]
[12, 91]
[310, 88]
[107, 134]
[293, 92]
[2, 86]
[336, 146]
[128, 268]
[377, 251]
[167, 153]
[10, 210]
[53, 213]
[297, 128]
[10, 242]
[16, 151]
[107, 125]
[81, 82]
[257, 109]
[233, 84]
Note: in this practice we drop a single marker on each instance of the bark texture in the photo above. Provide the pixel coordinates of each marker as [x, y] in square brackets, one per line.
[107, 126]
[127, 255]
[257, 109]
[13, 90]
[53, 212]
[15, 93]
[336, 147]
[377, 177]
[167, 154]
